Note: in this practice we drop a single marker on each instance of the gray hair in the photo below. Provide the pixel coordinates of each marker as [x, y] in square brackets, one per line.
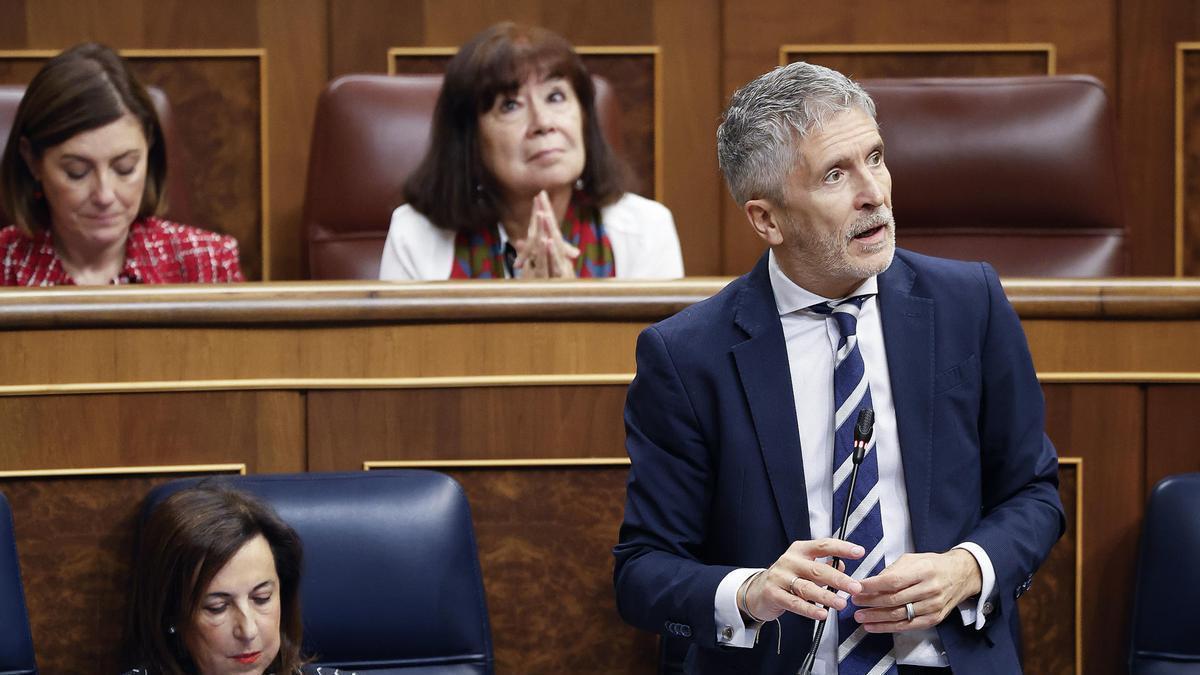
[755, 142]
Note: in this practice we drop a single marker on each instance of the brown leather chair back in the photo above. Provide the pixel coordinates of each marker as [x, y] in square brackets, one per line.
[178, 196]
[370, 133]
[1019, 171]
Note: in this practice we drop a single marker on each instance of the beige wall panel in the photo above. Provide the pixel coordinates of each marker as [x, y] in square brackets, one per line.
[347, 428]
[263, 430]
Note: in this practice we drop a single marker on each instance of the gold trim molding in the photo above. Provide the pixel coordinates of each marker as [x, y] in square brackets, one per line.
[479, 381]
[286, 384]
[1077, 462]
[263, 145]
[92, 472]
[1047, 48]
[548, 463]
[653, 51]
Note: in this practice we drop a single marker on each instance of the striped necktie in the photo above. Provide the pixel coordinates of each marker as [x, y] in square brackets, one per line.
[859, 652]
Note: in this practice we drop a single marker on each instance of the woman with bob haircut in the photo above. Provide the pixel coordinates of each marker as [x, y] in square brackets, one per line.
[83, 177]
[216, 588]
[519, 181]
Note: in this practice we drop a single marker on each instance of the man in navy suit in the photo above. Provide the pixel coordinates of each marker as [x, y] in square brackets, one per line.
[729, 521]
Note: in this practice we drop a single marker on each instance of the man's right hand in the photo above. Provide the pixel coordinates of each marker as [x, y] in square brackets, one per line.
[796, 582]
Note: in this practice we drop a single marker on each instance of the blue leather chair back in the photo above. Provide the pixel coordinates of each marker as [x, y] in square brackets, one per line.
[391, 582]
[16, 642]
[1166, 625]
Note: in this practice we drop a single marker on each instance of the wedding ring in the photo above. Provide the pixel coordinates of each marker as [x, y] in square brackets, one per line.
[908, 609]
[792, 585]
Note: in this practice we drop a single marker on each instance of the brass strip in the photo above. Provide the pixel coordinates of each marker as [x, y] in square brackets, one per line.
[1078, 462]
[495, 463]
[1118, 377]
[482, 381]
[916, 48]
[240, 468]
[449, 382]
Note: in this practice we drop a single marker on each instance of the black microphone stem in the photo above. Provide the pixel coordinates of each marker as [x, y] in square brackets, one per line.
[862, 435]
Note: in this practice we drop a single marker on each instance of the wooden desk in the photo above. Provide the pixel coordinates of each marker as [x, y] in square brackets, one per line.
[517, 390]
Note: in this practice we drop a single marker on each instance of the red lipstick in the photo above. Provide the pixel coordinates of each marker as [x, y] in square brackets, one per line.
[250, 657]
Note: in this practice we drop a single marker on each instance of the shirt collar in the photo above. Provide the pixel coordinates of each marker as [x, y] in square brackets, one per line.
[790, 297]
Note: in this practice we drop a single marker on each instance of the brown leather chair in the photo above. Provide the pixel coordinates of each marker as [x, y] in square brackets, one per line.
[1019, 171]
[178, 196]
[370, 133]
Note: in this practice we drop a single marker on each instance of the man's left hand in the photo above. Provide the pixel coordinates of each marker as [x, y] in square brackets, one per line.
[935, 584]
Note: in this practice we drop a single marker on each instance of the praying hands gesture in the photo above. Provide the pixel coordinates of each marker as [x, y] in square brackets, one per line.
[544, 254]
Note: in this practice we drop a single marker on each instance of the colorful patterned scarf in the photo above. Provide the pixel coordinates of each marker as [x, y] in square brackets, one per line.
[479, 254]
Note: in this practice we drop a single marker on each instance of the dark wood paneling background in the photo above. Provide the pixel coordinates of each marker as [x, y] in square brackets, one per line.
[709, 47]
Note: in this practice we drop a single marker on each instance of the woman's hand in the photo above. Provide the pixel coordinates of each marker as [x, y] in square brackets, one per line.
[544, 254]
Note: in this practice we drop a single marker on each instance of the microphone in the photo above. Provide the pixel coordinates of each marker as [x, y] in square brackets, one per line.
[864, 428]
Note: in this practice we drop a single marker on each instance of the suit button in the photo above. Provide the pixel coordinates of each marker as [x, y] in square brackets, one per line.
[685, 631]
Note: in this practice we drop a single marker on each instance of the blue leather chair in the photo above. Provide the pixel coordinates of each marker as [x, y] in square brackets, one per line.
[391, 582]
[1166, 626]
[16, 642]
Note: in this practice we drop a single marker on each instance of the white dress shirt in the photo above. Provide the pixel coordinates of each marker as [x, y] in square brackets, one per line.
[811, 342]
[641, 232]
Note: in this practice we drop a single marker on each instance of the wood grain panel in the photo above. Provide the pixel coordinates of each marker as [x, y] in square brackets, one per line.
[216, 100]
[1050, 623]
[1187, 197]
[545, 541]
[633, 76]
[1103, 425]
[1171, 432]
[877, 61]
[75, 538]
[1145, 52]
[295, 36]
[263, 430]
[164, 354]
[346, 428]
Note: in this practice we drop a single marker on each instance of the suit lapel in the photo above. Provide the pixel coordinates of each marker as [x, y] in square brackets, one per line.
[762, 366]
[908, 334]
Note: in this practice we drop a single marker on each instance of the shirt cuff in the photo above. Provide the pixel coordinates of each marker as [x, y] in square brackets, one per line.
[732, 631]
[976, 612]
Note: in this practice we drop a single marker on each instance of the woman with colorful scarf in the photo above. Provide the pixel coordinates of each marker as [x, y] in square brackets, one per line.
[518, 181]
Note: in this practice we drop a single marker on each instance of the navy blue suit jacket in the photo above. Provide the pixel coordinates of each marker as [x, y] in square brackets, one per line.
[717, 480]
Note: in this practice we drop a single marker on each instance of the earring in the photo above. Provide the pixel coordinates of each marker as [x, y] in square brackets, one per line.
[170, 630]
[579, 183]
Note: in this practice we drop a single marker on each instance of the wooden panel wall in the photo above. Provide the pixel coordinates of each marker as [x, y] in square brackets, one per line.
[709, 47]
[295, 377]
